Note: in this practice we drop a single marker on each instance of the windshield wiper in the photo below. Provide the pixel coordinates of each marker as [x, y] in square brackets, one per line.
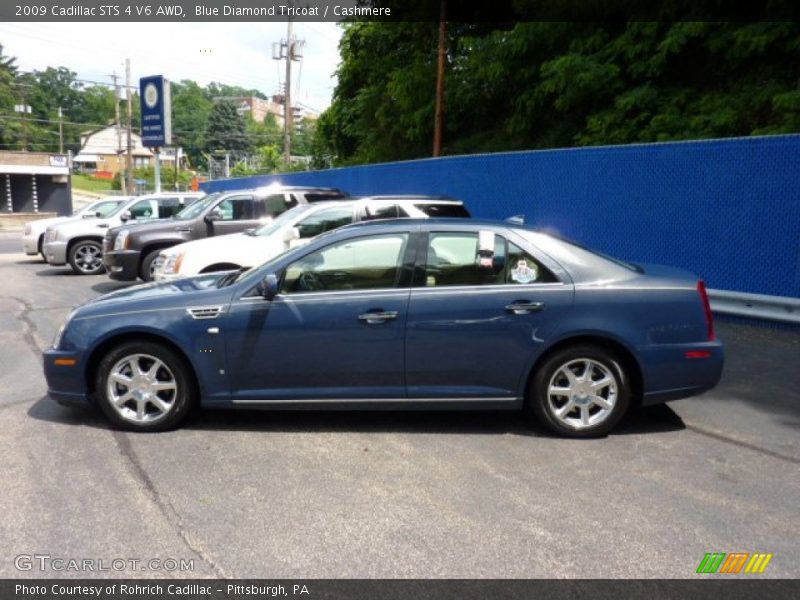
[229, 278]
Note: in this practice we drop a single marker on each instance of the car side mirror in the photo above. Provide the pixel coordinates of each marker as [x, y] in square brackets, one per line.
[291, 234]
[214, 215]
[125, 216]
[269, 286]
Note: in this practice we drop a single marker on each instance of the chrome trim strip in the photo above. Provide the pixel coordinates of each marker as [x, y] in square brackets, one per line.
[372, 400]
[205, 312]
[628, 288]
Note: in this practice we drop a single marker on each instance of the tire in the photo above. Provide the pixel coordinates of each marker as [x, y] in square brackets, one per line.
[589, 410]
[141, 406]
[146, 268]
[86, 257]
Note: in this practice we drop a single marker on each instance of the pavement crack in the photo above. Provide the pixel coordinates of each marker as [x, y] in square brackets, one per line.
[30, 327]
[164, 505]
[728, 440]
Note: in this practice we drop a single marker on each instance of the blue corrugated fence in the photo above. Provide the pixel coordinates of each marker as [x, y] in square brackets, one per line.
[728, 210]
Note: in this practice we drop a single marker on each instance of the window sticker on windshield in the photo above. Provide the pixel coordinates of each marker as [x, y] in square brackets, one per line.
[524, 273]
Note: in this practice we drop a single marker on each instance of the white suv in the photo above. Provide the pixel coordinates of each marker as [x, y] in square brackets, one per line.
[294, 227]
[33, 237]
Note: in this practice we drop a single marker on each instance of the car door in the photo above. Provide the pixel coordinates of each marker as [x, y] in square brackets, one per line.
[334, 331]
[478, 314]
[236, 213]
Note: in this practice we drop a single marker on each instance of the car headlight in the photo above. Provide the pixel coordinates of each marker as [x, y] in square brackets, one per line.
[51, 235]
[172, 264]
[121, 243]
[61, 330]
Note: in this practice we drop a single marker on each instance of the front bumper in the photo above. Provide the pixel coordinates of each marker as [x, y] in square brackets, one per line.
[65, 379]
[55, 252]
[122, 265]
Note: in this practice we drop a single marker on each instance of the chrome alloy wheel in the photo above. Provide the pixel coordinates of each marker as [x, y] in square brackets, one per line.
[89, 258]
[141, 388]
[582, 393]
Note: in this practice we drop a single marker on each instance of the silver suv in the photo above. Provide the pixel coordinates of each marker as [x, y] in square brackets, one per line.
[80, 243]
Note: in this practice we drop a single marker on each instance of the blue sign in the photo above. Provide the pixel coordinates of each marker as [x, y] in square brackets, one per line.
[156, 104]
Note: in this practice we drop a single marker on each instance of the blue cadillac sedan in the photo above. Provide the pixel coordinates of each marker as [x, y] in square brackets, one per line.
[434, 314]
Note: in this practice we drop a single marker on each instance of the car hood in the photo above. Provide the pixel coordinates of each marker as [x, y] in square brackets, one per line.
[149, 296]
[80, 226]
[211, 244]
[44, 223]
[157, 225]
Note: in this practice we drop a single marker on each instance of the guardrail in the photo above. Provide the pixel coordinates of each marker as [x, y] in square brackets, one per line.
[755, 306]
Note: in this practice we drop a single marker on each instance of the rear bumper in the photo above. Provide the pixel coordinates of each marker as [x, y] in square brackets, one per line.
[55, 252]
[65, 382]
[122, 265]
[30, 244]
[675, 371]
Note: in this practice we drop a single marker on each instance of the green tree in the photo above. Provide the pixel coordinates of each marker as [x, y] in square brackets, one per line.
[191, 109]
[541, 84]
[9, 126]
[226, 130]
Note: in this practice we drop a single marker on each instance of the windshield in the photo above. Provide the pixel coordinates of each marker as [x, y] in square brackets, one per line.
[104, 207]
[282, 219]
[190, 212]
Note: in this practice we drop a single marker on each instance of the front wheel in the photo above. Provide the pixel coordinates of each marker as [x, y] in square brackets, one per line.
[580, 392]
[86, 257]
[144, 386]
[148, 269]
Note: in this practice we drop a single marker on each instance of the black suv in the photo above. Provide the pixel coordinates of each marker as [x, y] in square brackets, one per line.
[130, 251]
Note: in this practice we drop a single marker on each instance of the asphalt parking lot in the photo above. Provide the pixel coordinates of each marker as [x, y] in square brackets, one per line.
[296, 495]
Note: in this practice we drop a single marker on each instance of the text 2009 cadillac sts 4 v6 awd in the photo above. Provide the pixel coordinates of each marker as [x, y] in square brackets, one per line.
[435, 314]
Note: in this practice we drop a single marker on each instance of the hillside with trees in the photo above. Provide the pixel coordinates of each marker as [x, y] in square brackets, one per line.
[552, 84]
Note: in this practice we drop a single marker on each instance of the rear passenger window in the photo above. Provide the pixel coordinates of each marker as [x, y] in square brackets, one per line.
[460, 259]
[238, 208]
[272, 206]
[381, 211]
[324, 220]
[144, 209]
[168, 207]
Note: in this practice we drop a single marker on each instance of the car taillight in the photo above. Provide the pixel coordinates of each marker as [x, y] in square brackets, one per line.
[701, 288]
[27, 229]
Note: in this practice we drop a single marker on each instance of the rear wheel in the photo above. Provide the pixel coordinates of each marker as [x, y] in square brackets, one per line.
[86, 257]
[148, 266]
[144, 386]
[581, 391]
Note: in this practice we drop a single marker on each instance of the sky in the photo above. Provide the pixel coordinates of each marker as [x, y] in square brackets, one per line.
[232, 53]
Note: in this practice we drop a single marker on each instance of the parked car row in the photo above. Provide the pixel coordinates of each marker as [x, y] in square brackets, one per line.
[307, 298]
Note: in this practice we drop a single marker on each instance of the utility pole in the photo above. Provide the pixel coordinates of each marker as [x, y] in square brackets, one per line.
[129, 161]
[289, 50]
[438, 119]
[114, 78]
[60, 130]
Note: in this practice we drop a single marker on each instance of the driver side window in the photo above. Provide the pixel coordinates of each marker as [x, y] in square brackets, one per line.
[145, 209]
[356, 264]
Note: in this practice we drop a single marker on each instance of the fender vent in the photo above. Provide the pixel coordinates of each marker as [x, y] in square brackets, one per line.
[204, 312]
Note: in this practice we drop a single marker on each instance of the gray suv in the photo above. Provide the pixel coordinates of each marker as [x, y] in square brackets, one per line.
[129, 252]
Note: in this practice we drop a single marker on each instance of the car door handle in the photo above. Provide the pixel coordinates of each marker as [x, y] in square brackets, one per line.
[183, 229]
[377, 317]
[523, 307]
